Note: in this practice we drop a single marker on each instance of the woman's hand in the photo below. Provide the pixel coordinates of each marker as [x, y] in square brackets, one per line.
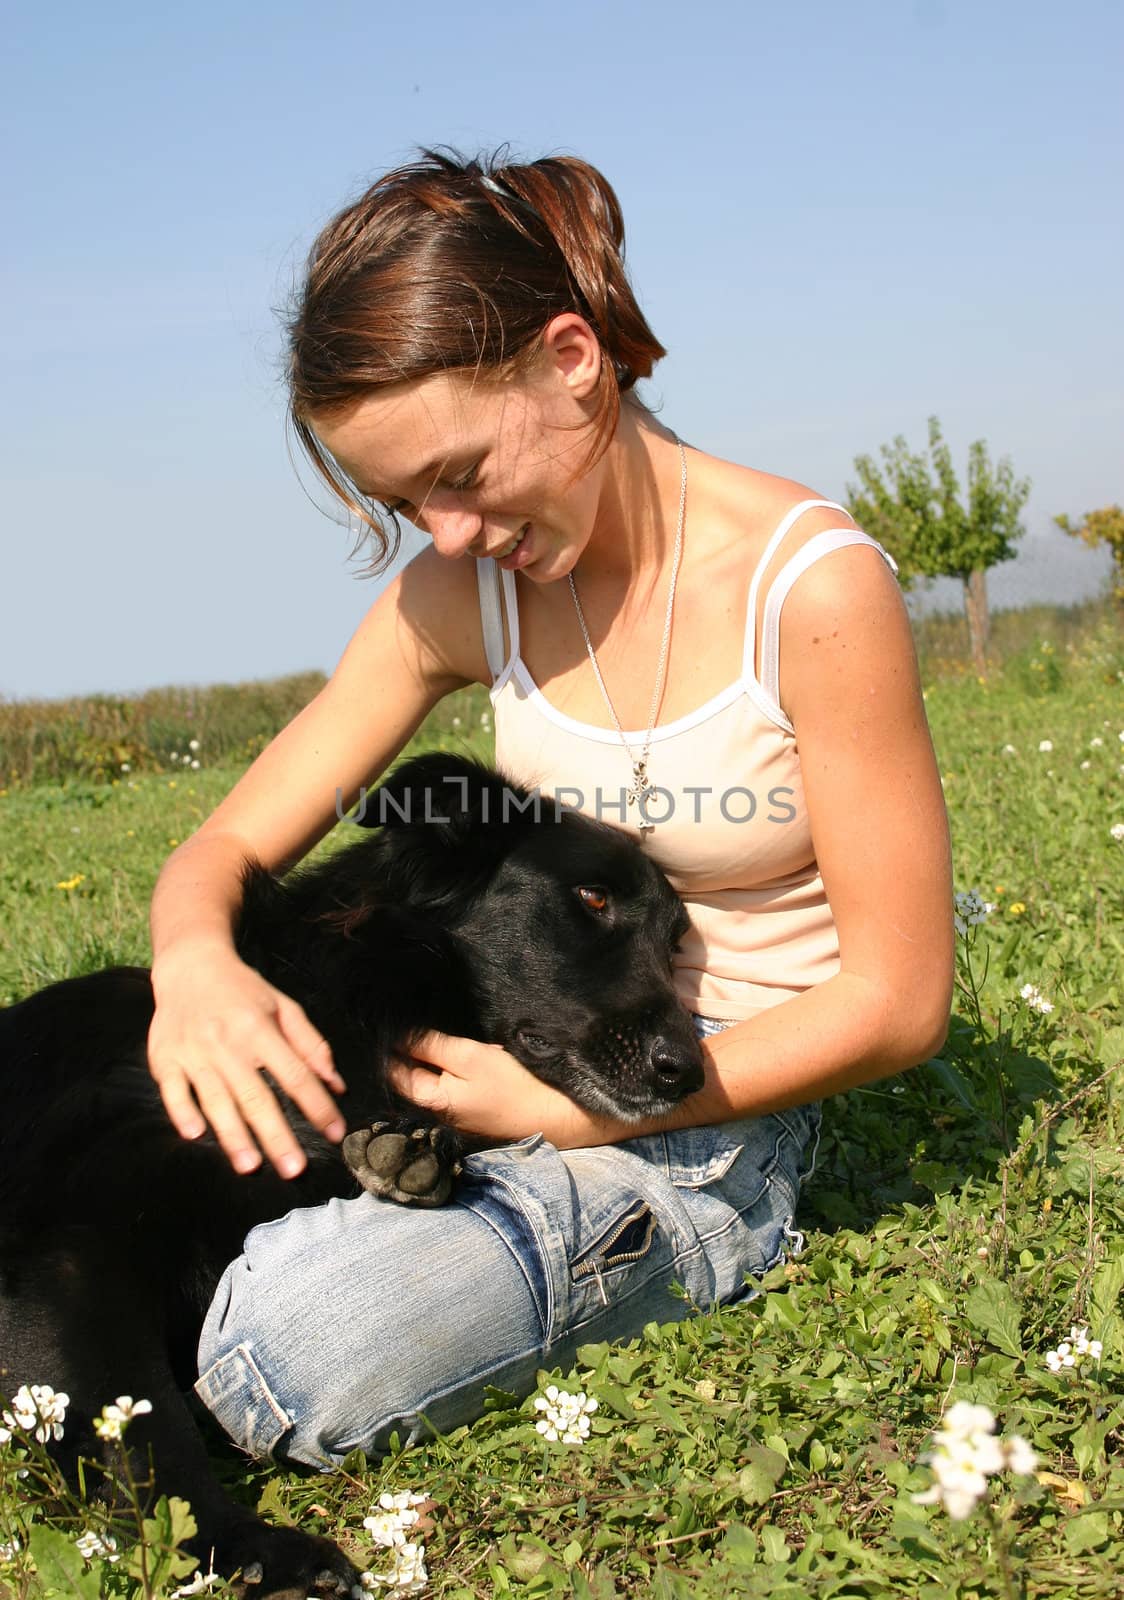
[219, 1027]
[481, 1091]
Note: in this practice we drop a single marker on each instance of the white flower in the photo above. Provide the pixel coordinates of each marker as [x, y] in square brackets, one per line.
[965, 1454]
[1117, 832]
[963, 1420]
[195, 766]
[37, 1409]
[407, 1575]
[1009, 750]
[1021, 1459]
[1035, 999]
[9, 1550]
[565, 1416]
[94, 1545]
[125, 767]
[1045, 746]
[1085, 765]
[456, 722]
[394, 1513]
[193, 745]
[201, 1582]
[175, 755]
[1084, 1346]
[1096, 742]
[387, 1525]
[115, 1418]
[970, 909]
[1077, 1348]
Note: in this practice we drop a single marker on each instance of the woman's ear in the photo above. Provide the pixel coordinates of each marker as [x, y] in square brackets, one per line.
[572, 348]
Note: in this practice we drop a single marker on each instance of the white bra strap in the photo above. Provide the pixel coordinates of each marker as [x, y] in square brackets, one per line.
[821, 544]
[790, 517]
[488, 576]
[491, 614]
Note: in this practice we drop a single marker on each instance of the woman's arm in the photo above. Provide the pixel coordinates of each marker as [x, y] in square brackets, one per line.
[849, 685]
[218, 1023]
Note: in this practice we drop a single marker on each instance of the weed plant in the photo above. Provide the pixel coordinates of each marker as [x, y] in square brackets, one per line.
[965, 1245]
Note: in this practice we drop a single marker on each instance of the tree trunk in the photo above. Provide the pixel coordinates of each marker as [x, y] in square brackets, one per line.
[975, 609]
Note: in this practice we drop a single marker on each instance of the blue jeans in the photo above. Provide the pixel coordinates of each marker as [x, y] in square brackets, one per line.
[343, 1323]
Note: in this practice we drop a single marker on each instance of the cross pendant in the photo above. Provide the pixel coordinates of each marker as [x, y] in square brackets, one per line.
[641, 785]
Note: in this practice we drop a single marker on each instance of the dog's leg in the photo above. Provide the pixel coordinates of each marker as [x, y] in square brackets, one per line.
[93, 1326]
[405, 1159]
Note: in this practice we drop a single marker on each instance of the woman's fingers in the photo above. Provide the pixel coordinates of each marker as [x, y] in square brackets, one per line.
[179, 1102]
[311, 1046]
[217, 1076]
[425, 1088]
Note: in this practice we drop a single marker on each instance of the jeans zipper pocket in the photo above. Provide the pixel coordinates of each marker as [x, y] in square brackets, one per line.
[633, 1232]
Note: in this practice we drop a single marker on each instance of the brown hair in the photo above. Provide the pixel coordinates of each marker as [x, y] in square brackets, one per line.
[450, 264]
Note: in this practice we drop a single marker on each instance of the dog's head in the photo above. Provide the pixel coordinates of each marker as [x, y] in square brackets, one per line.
[566, 926]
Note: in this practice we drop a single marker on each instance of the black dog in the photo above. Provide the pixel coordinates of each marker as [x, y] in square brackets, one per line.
[474, 909]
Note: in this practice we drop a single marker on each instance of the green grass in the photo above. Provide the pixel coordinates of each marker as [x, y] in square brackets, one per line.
[962, 1218]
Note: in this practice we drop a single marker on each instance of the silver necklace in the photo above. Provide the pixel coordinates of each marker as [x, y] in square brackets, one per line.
[642, 785]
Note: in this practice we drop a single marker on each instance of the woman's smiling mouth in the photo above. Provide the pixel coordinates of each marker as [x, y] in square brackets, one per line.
[513, 546]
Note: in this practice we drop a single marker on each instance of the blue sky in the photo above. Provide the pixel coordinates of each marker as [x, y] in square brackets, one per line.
[841, 218]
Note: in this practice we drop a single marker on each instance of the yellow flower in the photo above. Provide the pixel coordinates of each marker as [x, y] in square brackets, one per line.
[72, 883]
[1016, 908]
[173, 842]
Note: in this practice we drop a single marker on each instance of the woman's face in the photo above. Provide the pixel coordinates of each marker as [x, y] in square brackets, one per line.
[484, 466]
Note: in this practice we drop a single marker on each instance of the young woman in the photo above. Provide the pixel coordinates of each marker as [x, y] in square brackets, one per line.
[704, 653]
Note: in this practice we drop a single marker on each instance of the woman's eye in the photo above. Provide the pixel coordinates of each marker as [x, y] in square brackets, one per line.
[467, 479]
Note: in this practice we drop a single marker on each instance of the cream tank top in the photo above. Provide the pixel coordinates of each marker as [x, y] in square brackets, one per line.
[728, 821]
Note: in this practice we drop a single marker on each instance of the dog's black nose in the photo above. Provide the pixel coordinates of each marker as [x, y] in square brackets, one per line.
[676, 1071]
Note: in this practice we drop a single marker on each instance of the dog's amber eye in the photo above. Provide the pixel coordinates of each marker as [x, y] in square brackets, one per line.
[595, 899]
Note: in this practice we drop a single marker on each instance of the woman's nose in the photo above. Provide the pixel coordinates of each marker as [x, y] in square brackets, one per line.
[452, 530]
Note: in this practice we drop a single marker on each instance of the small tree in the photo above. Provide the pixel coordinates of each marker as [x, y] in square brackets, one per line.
[1105, 526]
[915, 510]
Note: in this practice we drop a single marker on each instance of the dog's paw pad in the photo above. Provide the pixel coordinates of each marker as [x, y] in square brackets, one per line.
[412, 1166]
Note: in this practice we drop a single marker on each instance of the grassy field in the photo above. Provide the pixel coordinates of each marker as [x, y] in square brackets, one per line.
[962, 1220]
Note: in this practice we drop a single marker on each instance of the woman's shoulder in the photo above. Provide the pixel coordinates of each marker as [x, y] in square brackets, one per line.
[744, 506]
[433, 606]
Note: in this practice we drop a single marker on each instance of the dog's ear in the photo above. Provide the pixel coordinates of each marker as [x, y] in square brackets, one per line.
[447, 823]
[450, 795]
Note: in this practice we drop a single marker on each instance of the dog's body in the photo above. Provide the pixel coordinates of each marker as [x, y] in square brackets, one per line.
[552, 937]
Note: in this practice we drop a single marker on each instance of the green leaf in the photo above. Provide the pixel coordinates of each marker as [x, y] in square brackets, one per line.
[164, 1531]
[609, 1394]
[665, 1410]
[953, 1081]
[62, 1571]
[774, 1545]
[991, 1308]
[1108, 1288]
[739, 1547]
[759, 1477]
[1086, 1532]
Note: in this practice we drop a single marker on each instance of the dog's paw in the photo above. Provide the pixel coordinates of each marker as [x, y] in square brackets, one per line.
[269, 1563]
[413, 1164]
